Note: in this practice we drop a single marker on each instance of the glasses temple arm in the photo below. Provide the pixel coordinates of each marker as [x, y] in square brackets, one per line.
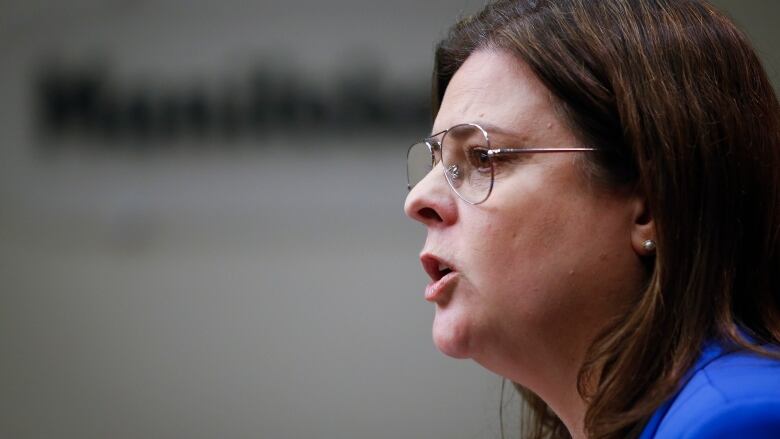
[501, 151]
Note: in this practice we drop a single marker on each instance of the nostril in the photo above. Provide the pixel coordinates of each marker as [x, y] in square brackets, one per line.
[429, 213]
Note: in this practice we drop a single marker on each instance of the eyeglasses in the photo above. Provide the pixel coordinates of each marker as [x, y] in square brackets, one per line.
[468, 160]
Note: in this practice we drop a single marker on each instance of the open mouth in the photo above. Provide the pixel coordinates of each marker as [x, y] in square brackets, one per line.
[442, 274]
[444, 270]
[435, 267]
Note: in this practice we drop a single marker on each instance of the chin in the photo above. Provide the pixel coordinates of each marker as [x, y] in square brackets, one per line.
[451, 335]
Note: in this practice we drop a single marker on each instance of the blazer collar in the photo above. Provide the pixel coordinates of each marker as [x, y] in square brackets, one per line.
[711, 351]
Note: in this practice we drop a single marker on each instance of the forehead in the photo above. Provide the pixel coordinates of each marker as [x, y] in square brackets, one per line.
[496, 88]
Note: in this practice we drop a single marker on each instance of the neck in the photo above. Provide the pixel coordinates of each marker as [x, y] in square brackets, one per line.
[559, 390]
[554, 380]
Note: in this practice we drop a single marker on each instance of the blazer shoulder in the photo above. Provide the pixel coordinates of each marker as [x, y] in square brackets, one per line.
[735, 392]
[755, 418]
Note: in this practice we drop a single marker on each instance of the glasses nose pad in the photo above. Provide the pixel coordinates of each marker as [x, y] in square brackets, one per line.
[453, 172]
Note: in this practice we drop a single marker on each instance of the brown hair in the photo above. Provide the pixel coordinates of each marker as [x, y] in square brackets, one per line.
[674, 94]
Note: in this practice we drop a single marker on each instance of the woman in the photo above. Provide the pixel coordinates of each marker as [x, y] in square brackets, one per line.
[603, 216]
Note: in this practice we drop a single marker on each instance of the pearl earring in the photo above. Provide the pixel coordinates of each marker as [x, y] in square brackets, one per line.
[649, 245]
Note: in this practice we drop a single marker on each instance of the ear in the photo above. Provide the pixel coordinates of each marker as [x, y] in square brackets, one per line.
[643, 236]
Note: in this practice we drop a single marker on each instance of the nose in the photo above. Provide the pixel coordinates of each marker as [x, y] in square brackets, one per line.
[431, 201]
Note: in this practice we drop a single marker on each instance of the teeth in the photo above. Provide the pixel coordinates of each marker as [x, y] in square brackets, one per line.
[443, 267]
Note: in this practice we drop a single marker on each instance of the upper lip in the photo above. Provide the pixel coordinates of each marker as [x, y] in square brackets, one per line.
[431, 264]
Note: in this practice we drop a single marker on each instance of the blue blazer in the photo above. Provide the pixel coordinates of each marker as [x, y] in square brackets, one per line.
[727, 394]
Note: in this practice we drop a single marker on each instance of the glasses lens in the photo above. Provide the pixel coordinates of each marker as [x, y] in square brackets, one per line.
[419, 163]
[467, 165]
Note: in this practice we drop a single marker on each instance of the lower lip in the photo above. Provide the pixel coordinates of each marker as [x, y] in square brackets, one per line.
[435, 289]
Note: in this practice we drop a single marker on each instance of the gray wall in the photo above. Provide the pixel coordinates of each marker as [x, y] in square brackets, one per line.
[225, 287]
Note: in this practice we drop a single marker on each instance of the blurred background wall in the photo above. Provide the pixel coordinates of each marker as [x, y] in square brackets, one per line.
[201, 226]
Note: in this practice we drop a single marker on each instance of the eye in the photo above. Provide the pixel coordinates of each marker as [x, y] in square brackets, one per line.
[478, 158]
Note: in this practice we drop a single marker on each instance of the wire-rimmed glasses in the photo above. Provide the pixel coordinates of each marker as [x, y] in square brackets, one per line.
[467, 159]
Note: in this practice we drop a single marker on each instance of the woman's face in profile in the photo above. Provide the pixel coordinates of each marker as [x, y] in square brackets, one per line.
[546, 256]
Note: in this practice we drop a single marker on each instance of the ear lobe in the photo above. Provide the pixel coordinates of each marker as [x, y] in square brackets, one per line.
[643, 236]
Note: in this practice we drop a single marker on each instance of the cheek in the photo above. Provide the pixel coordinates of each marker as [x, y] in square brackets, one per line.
[525, 236]
[521, 261]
